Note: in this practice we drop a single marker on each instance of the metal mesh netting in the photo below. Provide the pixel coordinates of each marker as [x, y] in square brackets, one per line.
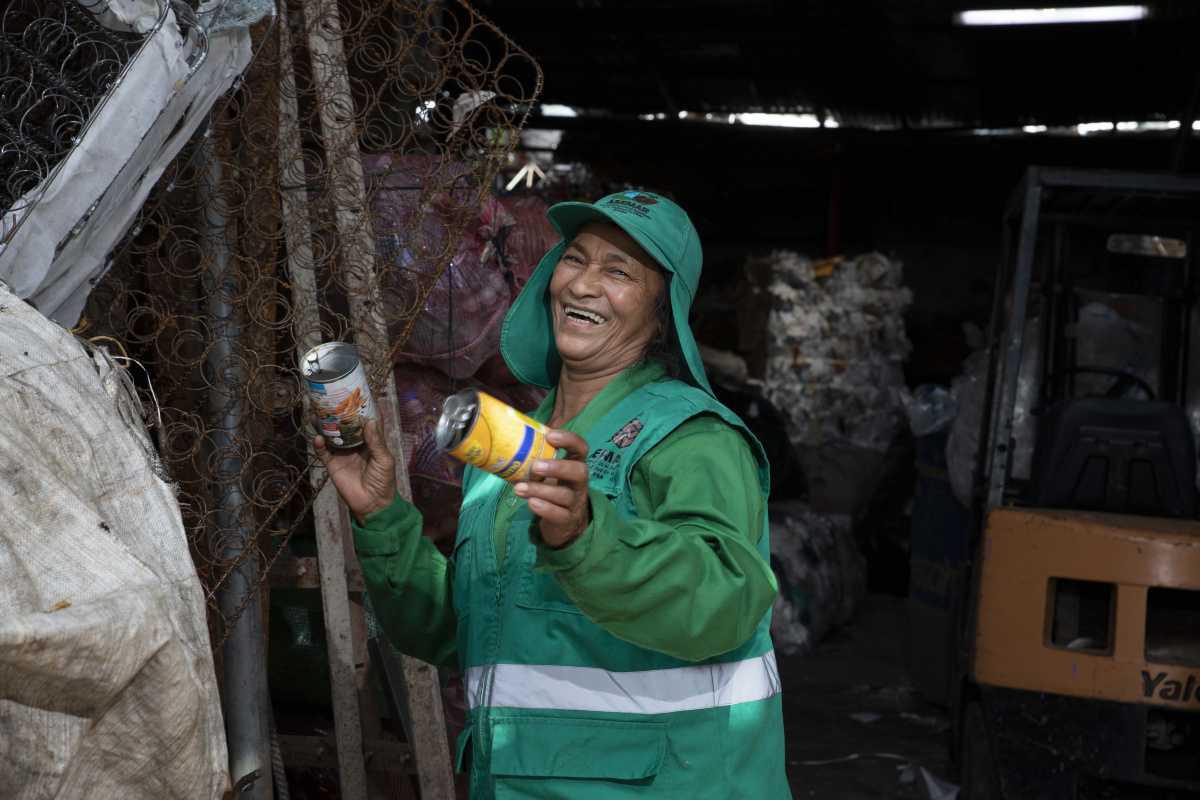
[262, 240]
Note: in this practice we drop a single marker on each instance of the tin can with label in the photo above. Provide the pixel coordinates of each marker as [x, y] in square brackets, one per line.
[341, 398]
[480, 430]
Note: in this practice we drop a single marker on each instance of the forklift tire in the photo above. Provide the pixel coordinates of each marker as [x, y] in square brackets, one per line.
[980, 779]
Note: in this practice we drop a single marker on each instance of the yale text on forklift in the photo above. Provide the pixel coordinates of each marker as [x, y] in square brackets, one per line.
[1169, 690]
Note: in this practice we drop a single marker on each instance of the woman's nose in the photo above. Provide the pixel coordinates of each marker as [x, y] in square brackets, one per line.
[586, 282]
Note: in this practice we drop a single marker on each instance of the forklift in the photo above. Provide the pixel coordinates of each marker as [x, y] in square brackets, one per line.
[1077, 666]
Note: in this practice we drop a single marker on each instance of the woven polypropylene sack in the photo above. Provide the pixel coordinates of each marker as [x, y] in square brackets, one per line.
[107, 689]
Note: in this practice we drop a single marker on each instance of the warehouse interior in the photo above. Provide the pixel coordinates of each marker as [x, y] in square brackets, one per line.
[948, 283]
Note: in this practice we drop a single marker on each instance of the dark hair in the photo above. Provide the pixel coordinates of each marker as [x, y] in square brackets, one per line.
[663, 349]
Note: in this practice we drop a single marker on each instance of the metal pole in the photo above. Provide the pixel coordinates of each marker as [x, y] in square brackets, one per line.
[245, 697]
[1010, 349]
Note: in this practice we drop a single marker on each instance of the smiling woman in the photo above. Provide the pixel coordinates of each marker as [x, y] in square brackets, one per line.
[611, 614]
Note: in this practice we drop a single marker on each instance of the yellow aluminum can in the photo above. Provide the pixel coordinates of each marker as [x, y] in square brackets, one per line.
[482, 431]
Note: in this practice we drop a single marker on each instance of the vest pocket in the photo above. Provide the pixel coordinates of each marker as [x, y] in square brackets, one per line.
[542, 591]
[553, 757]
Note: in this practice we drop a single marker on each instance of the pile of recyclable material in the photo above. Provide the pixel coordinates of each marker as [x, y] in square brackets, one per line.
[836, 346]
[828, 340]
[821, 572]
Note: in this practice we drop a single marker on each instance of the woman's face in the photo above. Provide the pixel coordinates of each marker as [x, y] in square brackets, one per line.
[603, 294]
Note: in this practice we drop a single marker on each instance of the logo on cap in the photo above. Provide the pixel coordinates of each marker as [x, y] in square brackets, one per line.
[644, 199]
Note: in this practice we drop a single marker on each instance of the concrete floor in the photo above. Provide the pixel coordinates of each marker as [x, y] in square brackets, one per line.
[860, 670]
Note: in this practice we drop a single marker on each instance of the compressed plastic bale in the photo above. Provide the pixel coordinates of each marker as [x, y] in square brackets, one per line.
[821, 572]
[107, 688]
[835, 344]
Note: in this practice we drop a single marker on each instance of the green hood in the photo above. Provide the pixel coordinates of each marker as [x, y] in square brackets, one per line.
[661, 227]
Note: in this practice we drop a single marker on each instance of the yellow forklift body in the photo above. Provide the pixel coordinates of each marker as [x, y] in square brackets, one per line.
[1026, 550]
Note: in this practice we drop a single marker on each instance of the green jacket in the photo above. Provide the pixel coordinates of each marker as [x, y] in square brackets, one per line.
[571, 694]
[698, 509]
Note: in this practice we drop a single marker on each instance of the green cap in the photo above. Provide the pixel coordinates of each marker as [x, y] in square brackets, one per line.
[663, 230]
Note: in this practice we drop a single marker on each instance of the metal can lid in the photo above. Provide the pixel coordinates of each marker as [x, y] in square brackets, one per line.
[458, 415]
[329, 361]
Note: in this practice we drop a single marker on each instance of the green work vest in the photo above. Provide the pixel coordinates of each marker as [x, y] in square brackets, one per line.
[559, 707]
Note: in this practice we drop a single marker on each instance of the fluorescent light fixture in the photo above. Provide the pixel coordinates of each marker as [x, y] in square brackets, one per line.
[830, 122]
[554, 110]
[1127, 126]
[1034, 128]
[1051, 16]
[1093, 127]
[779, 120]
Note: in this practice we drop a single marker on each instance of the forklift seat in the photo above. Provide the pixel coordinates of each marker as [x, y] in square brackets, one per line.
[1118, 455]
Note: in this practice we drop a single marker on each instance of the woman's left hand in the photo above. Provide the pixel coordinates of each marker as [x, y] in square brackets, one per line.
[560, 500]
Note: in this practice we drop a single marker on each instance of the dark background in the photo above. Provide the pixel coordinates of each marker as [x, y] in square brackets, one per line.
[929, 143]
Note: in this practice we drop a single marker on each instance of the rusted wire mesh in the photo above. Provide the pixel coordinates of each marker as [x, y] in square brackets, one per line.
[263, 239]
[57, 63]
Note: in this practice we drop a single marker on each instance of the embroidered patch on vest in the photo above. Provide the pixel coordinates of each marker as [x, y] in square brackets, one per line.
[628, 432]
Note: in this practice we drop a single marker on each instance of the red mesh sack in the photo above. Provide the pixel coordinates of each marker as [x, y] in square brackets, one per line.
[530, 237]
[458, 327]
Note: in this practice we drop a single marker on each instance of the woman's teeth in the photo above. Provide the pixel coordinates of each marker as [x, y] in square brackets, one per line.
[582, 314]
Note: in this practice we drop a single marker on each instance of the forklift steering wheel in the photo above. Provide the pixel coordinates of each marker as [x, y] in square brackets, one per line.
[1123, 380]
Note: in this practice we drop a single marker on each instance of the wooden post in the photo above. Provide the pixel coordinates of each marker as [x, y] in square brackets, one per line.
[356, 240]
[330, 516]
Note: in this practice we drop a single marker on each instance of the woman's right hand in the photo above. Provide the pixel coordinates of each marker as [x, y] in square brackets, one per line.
[366, 476]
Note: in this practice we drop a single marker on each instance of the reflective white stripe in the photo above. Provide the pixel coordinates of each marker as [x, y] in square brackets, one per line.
[656, 691]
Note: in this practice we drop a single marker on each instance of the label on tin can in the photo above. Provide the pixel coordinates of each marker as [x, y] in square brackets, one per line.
[500, 439]
[341, 398]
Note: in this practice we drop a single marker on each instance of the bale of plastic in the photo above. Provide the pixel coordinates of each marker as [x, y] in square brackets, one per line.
[835, 346]
[821, 572]
[107, 688]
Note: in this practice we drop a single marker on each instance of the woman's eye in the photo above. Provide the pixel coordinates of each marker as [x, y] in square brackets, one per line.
[574, 259]
[620, 273]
